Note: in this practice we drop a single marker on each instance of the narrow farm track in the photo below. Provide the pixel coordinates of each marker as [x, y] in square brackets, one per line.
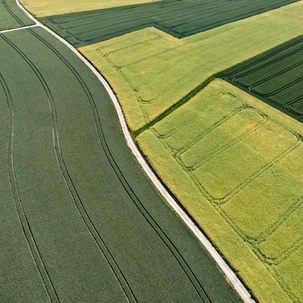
[82, 199]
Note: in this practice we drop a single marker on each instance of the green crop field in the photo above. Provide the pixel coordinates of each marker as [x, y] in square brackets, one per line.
[151, 70]
[177, 18]
[11, 16]
[232, 161]
[79, 220]
[43, 8]
[236, 165]
[275, 76]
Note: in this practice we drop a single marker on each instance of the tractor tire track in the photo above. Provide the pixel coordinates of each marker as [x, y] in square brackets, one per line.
[24, 222]
[124, 183]
[67, 178]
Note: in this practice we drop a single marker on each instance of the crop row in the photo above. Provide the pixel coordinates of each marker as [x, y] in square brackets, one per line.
[276, 77]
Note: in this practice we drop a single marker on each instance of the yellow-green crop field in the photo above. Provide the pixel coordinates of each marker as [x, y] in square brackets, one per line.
[56, 7]
[150, 70]
[236, 165]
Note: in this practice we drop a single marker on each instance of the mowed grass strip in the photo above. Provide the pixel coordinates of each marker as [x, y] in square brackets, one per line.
[234, 163]
[178, 18]
[275, 76]
[151, 74]
[11, 16]
[55, 7]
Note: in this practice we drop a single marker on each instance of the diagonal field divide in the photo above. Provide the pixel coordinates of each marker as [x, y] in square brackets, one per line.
[202, 238]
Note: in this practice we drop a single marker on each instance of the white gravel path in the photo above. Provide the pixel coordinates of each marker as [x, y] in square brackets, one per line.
[17, 29]
[237, 284]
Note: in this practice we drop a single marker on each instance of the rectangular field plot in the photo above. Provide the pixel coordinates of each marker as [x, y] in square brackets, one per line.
[11, 16]
[236, 166]
[178, 18]
[275, 76]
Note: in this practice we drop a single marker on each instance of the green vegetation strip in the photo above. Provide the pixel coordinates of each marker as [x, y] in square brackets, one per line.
[178, 18]
[275, 77]
[175, 106]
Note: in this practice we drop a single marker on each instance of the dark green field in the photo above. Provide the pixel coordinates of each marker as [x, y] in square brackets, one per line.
[178, 18]
[275, 76]
[11, 16]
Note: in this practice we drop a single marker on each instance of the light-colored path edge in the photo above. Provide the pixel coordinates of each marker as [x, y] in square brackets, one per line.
[234, 280]
[17, 29]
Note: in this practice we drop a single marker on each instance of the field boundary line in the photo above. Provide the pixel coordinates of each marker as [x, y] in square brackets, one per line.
[234, 280]
[171, 109]
[18, 28]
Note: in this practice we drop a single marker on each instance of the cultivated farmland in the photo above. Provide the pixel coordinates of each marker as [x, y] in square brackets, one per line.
[150, 70]
[79, 220]
[43, 8]
[275, 77]
[177, 18]
[236, 165]
[11, 16]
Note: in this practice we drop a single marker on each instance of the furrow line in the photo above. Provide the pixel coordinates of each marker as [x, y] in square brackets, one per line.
[204, 241]
[129, 190]
[66, 176]
[24, 222]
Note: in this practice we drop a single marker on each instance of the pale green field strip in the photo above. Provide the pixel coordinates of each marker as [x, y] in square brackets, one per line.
[42, 8]
[95, 226]
[150, 70]
[236, 165]
[11, 16]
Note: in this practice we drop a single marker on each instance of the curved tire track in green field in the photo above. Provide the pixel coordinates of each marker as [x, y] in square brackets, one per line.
[73, 191]
[26, 228]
